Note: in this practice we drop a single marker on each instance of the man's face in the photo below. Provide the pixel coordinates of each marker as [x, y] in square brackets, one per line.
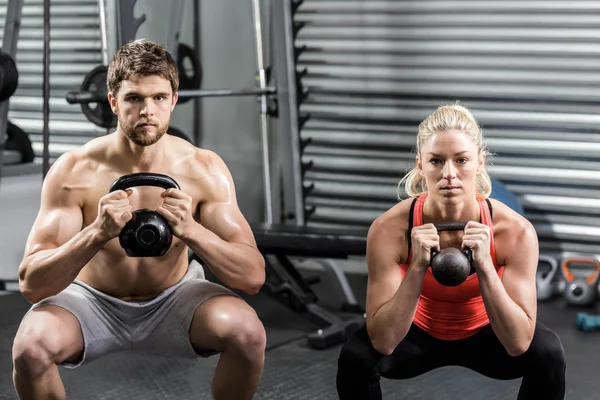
[143, 106]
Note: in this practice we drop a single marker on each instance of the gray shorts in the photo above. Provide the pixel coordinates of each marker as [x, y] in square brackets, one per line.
[160, 325]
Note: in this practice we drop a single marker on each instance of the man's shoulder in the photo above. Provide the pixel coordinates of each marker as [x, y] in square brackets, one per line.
[201, 159]
[77, 163]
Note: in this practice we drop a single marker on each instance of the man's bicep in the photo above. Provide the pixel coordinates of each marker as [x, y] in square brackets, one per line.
[226, 221]
[59, 219]
[220, 212]
[53, 228]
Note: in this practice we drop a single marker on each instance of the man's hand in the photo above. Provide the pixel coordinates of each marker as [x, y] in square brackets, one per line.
[114, 211]
[177, 209]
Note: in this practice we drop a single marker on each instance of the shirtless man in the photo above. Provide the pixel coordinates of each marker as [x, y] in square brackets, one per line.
[89, 298]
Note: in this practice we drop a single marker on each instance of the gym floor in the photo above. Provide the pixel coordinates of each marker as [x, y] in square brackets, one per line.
[292, 369]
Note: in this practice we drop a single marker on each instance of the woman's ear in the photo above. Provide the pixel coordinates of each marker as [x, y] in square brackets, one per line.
[482, 158]
[419, 165]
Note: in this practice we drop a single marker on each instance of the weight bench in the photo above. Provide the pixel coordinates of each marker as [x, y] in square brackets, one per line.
[284, 283]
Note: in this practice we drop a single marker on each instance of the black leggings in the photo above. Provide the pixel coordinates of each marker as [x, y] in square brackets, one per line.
[542, 366]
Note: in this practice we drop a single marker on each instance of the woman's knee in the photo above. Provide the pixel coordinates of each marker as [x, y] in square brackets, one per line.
[547, 350]
[358, 353]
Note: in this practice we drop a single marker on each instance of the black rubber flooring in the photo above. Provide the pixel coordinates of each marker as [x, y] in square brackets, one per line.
[292, 369]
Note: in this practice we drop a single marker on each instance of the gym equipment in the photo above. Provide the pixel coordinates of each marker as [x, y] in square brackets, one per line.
[103, 116]
[501, 193]
[18, 140]
[284, 282]
[93, 90]
[148, 233]
[547, 280]
[451, 266]
[188, 81]
[9, 76]
[179, 133]
[581, 291]
[12, 24]
[587, 323]
[46, 92]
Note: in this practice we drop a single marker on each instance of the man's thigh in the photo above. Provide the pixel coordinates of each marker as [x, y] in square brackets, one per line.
[166, 329]
[102, 332]
[224, 322]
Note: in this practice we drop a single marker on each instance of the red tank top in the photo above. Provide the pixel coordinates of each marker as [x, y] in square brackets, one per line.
[451, 313]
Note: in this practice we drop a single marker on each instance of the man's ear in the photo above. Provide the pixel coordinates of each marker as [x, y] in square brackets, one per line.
[112, 100]
[175, 98]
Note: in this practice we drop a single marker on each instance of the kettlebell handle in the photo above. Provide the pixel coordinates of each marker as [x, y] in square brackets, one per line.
[591, 279]
[144, 179]
[450, 226]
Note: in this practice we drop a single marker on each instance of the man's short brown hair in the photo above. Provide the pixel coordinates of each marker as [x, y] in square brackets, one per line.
[141, 58]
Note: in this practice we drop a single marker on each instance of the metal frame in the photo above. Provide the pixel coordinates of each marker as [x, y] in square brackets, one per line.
[46, 92]
[127, 24]
[103, 33]
[288, 163]
[12, 25]
[264, 128]
[172, 42]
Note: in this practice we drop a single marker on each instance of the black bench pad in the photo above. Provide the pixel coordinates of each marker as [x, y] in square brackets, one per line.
[293, 240]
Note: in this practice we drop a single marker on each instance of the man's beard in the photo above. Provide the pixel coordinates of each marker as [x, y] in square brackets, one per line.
[141, 137]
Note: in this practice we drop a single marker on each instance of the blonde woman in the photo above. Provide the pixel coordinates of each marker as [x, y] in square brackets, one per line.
[487, 323]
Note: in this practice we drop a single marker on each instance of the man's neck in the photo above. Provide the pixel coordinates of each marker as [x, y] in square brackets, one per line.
[137, 158]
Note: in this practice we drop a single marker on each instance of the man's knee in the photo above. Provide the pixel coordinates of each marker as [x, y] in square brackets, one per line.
[34, 352]
[47, 336]
[246, 334]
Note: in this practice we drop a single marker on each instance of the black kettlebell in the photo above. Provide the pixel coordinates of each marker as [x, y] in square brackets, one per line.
[451, 266]
[147, 233]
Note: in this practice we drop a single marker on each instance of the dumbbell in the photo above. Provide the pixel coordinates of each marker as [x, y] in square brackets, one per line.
[451, 266]
[586, 322]
[581, 291]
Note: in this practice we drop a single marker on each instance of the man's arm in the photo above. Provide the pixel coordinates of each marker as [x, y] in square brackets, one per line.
[511, 302]
[222, 237]
[57, 249]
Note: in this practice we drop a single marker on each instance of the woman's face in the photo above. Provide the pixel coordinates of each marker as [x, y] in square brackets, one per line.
[449, 162]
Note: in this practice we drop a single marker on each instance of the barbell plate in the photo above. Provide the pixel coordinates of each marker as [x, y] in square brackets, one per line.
[98, 113]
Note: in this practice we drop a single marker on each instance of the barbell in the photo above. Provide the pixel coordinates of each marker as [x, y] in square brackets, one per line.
[92, 94]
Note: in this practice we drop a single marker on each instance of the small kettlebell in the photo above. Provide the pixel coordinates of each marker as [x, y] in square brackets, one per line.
[147, 233]
[545, 279]
[581, 291]
[451, 266]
